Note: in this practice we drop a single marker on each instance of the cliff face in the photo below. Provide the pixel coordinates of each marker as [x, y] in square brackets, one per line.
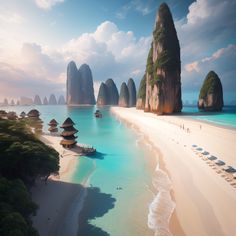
[52, 100]
[132, 93]
[211, 93]
[103, 97]
[61, 100]
[72, 84]
[112, 92]
[141, 94]
[37, 100]
[79, 85]
[163, 86]
[86, 91]
[124, 96]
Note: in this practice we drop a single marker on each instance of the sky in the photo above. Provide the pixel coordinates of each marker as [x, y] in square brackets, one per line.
[38, 38]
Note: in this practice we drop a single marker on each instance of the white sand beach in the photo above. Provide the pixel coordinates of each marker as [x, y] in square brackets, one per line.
[205, 200]
[56, 197]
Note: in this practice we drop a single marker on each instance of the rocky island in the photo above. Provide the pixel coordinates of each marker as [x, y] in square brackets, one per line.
[80, 89]
[163, 85]
[124, 95]
[108, 94]
[132, 92]
[211, 93]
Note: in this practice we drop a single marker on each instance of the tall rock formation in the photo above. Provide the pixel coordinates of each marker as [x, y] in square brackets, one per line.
[72, 85]
[124, 95]
[86, 95]
[5, 102]
[12, 103]
[37, 100]
[45, 101]
[141, 94]
[132, 93]
[103, 96]
[112, 92]
[61, 100]
[211, 93]
[52, 100]
[79, 85]
[163, 86]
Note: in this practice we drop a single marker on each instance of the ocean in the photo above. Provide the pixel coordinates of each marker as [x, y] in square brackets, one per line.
[124, 187]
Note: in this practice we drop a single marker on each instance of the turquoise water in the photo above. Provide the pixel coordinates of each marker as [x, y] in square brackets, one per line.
[226, 118]
[121, 161]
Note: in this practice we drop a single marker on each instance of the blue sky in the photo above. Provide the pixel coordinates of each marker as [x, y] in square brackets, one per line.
[39, 37]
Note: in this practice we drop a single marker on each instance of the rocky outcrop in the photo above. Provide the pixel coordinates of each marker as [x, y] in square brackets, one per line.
[141, 94]
[132, 93]
[86, 95]
[112, 92]
[61, 100]
[37, 100]
[5, 102]
[72, 85]
[12, 103]
[79, 85]
[103, 96]
[52, 100]
[211, 93]
[124, 96]
[163, 85]
[45, 101]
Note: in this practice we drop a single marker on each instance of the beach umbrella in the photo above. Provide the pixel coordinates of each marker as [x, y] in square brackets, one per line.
[230, 169]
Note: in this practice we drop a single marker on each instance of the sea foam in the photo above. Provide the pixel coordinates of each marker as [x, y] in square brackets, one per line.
[162, 206]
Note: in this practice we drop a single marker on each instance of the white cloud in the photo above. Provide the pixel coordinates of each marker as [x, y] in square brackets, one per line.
[222, 62]
[192, 66]
[47, 4]
[110, 52]
[135, 5]
[11, 18]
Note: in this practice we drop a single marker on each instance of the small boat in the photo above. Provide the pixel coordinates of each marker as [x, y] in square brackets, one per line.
[98, 114]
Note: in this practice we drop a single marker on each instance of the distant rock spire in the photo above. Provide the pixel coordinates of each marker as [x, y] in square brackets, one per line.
[124, 95]
[113, 94]
[103, 96]
[52, 100]
[132, 93]
[79, 85]
[37, 100]
[61, 100]
[45, 101]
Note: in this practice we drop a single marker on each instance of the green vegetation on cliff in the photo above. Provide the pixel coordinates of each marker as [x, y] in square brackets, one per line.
[165, 37]
[210, 85]
[142, 88]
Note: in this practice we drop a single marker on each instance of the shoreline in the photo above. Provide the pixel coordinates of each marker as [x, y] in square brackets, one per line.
[204, 199]
[56, 197]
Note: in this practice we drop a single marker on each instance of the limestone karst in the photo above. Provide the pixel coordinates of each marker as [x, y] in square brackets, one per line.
[112, 92]
[211, 93]
[79, 85]
[61, 100]
[52, 100]
[163, 85]
[141, 94]
[124, 96]
[37, 100]
[45, 101]
[103, 96]
[132, 93]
